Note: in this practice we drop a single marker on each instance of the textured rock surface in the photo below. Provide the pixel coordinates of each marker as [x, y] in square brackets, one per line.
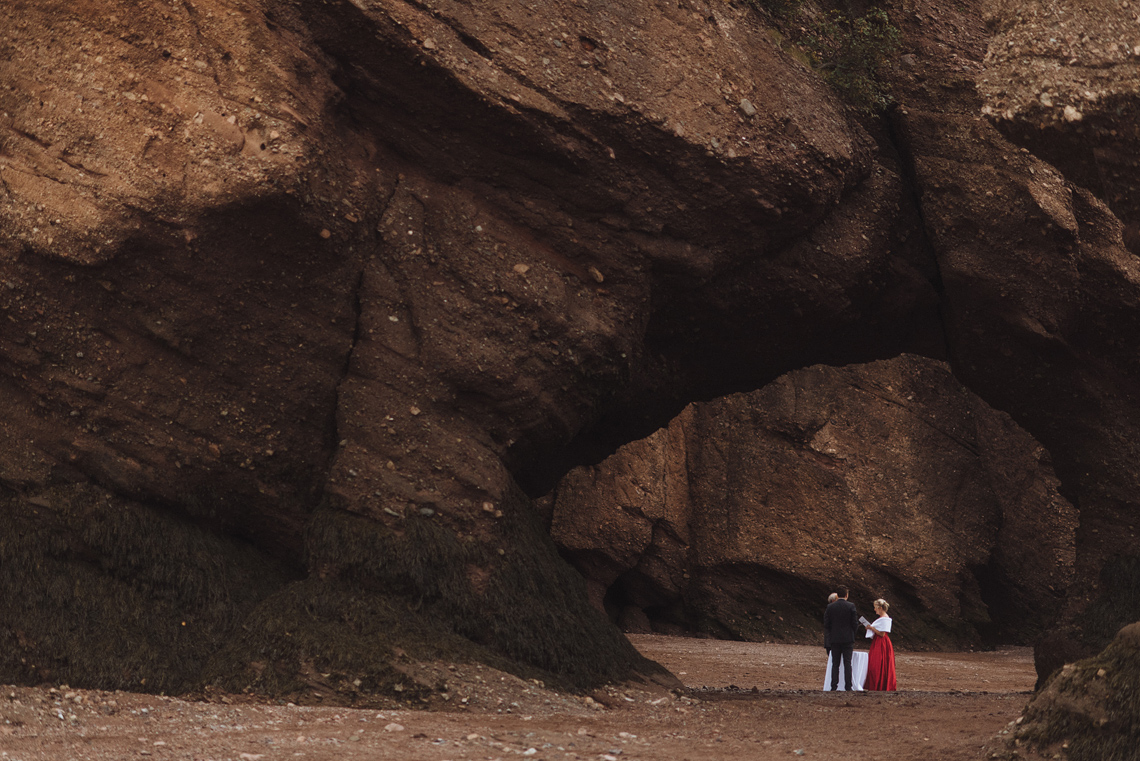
[890, 477]
[1040, 285]
[1064, 80]
[1038, 290]
[299, 295]
[304, 302]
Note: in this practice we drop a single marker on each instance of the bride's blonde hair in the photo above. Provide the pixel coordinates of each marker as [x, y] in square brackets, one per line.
[882, 605]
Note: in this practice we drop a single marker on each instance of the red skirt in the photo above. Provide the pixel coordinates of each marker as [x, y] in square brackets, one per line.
[881, 665]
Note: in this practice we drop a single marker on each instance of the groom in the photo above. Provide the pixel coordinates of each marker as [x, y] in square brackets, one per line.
[840, 620]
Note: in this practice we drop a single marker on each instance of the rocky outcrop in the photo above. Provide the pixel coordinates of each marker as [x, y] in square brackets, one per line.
[1064, 81]
[1073, 103]
[1088, 710]
[302, 300]
[890, 477]
[1038, 289]
[306, 302]
[1025, 184]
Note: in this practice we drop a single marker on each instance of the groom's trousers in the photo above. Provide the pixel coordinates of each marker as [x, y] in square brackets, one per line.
[841, 653]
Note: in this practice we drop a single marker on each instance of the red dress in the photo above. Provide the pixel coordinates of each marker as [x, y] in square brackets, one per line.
[881, 665]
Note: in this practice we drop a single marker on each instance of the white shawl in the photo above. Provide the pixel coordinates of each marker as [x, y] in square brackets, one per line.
[883, 625]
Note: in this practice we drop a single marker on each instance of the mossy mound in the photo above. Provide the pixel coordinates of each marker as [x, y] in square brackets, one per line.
[325, 641]
[99, 592]
[1089, 710]
[381, 594]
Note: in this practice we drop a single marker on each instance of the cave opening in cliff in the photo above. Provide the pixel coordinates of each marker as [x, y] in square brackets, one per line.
[890, 477]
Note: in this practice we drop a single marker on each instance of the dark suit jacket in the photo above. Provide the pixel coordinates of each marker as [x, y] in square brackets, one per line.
[840, 620]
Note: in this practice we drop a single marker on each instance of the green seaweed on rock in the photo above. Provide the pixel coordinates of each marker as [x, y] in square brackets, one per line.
[380, 594]
[104, 593]
[1090, 709]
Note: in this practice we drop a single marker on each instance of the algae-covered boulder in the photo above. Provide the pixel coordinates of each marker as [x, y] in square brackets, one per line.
[1089, 711]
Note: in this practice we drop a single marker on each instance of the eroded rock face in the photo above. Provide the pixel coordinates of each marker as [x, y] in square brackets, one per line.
[890, 477]
[1040, 284]
[1039, 290]
[335, 285]
[314, 298]
[1074, 103]
[1064, 80]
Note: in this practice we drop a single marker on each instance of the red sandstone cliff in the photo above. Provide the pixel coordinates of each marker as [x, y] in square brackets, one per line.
[305, 302]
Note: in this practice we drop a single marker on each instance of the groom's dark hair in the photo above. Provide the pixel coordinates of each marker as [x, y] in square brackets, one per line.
[844, 592]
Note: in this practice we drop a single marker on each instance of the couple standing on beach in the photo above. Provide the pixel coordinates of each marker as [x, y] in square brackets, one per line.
[840, 621]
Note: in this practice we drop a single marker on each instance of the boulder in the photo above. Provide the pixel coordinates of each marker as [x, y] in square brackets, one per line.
[1054, 650]
[1089, 709]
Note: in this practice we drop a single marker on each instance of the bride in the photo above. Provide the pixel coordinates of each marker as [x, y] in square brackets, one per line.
[881, 659]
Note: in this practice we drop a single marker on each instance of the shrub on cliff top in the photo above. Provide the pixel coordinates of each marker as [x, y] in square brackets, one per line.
[781, 8]
[851, 51]
[848, 51]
